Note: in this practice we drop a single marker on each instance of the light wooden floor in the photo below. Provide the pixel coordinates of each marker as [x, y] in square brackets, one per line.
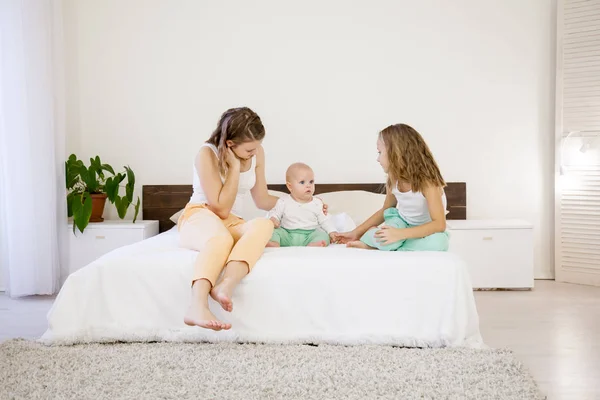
[554, 330]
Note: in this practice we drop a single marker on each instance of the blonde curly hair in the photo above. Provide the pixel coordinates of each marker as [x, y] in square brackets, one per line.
[410, 159]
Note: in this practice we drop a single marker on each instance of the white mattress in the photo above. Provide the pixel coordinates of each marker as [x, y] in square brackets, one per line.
[318, 295]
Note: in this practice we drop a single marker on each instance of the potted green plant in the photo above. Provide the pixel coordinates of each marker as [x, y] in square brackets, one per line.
[88, 187]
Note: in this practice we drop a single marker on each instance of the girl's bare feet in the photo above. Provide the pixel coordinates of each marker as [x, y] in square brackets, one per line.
[223, 290]
[198, 313]
[320, 243]
[222, 294]
[359, 245]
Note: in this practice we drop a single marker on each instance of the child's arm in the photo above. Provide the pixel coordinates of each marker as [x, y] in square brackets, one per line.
[433, 195]
[276, 213]
[374, 220]
[326, 223]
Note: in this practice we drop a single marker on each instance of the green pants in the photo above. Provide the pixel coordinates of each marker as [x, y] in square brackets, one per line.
[298, 237]
[435, 242]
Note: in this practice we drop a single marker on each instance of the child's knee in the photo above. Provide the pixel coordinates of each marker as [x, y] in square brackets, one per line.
[392, 218]
[318, 236]
[276, 235]
[434, 242]
[440, 241]
[368, 237]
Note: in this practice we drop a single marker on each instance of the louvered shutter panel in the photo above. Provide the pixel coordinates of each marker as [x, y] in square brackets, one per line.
[578, 113]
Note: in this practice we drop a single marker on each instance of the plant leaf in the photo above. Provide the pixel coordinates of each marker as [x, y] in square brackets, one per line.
[84, 174]
[67, 169]
[111, 187]
[71, 172]
[130, 184]
[137, 210]
[71, 184]
[108, 168]
[92, 182]
[122, 204]
[96, 166]
[82, 211]
[70, 198]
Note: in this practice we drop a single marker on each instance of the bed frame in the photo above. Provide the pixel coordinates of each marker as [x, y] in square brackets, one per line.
[160, 202]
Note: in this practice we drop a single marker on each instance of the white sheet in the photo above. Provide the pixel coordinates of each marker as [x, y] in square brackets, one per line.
[319, 295]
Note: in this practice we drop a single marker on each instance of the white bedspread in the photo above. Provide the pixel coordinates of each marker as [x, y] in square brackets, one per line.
[317, 295]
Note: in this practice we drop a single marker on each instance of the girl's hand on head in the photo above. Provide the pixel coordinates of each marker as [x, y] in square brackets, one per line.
[232, 160]
[346, 237]
[388, 235]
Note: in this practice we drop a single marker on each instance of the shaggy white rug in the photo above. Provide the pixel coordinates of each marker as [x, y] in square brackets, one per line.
[29, 370]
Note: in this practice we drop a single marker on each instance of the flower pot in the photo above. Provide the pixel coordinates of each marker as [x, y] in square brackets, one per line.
[98, 201]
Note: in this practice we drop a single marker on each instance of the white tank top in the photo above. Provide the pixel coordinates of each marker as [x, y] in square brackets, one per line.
[412, 206]
[247, 182]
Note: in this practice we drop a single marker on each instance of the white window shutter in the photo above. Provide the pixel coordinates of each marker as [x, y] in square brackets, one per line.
[578, 146]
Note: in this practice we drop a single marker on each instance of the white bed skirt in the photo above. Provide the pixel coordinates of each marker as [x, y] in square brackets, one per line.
[329, 295]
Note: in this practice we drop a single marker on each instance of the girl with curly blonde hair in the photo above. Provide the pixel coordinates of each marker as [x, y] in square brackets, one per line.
[414, 211]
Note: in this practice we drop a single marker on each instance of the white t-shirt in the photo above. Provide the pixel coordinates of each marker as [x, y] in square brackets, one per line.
[294, 215]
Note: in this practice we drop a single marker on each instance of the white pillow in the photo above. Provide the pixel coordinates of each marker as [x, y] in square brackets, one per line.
[342, 222]
[357, 204]
[175, 217]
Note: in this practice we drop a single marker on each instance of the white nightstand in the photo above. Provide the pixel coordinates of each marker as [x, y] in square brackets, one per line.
[498, 253]
[99, 238]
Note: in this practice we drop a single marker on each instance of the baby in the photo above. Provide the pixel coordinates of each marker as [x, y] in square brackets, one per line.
[298, 215]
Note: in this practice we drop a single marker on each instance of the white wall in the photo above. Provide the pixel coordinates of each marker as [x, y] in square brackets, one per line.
[149, 79]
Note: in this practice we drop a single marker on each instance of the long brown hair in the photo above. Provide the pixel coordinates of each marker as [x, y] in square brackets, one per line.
[239, 125]
[410, 159]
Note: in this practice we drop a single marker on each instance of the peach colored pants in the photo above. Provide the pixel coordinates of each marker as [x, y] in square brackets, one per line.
[220, 241]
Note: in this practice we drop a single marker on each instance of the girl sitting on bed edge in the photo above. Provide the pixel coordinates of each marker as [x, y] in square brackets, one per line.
[414, 210]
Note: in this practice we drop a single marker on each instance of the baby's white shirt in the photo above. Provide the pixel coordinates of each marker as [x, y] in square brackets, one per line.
[294, 215]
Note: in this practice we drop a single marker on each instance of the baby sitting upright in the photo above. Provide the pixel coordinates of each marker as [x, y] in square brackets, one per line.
[298, 215]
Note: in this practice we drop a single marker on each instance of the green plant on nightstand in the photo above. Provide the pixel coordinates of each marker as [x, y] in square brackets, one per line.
[88, 187]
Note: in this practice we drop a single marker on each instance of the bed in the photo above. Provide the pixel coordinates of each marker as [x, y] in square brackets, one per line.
[329, 295]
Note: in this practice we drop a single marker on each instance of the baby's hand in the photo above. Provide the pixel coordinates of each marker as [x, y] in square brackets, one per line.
[333, 236]
[275, 222]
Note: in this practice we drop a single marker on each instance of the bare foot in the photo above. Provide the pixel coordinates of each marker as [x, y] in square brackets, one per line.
[359, 245]
[273, 244]
[201, 316]
[221, 293]
[320, 243]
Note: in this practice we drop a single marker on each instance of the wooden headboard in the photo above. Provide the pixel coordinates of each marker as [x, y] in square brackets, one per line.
[160, 202]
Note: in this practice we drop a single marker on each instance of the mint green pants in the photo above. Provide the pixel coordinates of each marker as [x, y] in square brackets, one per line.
[298, 237]
[435, 242]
